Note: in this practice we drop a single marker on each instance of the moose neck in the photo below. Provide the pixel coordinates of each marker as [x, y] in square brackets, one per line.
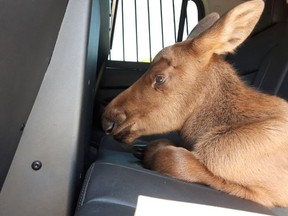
[219, 103]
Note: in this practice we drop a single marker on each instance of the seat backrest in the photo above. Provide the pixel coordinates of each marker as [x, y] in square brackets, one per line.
[273, 72]
[29, 31]
[261, 60]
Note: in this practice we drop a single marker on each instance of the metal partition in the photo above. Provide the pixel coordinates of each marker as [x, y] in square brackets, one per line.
[139, 26]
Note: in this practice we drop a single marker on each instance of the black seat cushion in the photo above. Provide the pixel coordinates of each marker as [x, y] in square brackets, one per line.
[114, 182]
[113, 189]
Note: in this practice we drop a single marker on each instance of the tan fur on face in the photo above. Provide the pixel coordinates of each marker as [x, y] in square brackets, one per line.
[236, 138]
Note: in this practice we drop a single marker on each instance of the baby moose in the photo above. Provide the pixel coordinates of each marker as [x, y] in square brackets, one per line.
[235, 138]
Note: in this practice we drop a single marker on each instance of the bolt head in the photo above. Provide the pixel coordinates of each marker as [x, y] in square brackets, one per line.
[36, 165]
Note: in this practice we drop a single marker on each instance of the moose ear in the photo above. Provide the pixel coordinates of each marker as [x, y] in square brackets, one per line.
[230, 30]
[203, 25]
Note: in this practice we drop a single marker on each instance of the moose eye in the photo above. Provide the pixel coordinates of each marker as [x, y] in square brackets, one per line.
[160, 79]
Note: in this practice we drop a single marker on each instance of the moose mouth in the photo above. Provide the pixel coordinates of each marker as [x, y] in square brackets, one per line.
[122, 135]
[125, 134]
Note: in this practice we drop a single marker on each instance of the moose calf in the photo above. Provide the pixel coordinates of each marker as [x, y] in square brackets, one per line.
[235, 138]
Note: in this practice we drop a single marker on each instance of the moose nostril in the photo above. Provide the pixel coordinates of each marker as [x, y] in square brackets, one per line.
[108, 126]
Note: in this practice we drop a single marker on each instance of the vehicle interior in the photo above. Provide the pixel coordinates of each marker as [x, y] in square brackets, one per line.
[57, 75]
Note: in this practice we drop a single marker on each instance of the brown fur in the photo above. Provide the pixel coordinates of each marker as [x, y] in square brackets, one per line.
[236, 138]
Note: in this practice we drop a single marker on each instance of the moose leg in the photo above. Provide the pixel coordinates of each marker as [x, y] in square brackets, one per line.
[162, 156]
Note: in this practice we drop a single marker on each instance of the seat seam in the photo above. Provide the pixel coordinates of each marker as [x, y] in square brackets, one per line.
[85, 187]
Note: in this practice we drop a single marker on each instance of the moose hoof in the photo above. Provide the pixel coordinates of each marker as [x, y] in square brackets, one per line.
[139, 149]
[152, 150]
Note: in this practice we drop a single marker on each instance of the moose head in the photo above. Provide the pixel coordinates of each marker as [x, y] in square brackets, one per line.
[181, 77]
